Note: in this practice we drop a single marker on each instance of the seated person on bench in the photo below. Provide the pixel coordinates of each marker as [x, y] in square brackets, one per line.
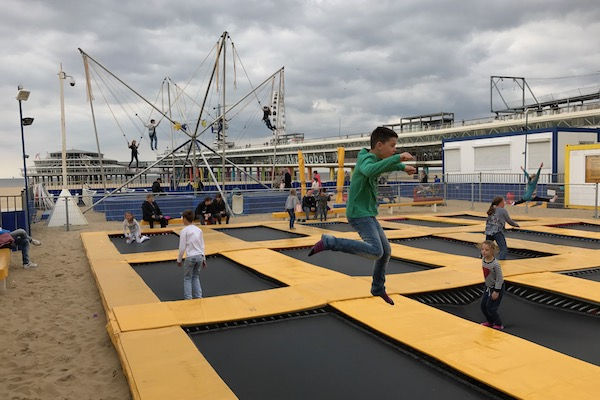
[205, 211]
[151, 212]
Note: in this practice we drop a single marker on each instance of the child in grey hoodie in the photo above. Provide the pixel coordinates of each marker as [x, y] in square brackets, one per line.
[495, 225]
[494, 285]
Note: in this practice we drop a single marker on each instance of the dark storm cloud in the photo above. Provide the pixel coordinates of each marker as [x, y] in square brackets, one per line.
[350, 63]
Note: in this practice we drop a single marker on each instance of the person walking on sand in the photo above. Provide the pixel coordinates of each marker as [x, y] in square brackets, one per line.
[361, 209]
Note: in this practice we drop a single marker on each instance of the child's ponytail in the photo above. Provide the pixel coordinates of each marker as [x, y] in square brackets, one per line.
[497, 200]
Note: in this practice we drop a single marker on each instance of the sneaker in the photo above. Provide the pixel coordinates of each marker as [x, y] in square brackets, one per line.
[512, 203]
[129, 240]
[144, 238]
[317, 248]
[386, 298]
[498, 327]
[553, 199]
[30, 265]
[486, 324]
[36, 242]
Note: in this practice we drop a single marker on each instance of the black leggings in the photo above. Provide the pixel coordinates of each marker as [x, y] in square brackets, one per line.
[134, 156]
[536, 198]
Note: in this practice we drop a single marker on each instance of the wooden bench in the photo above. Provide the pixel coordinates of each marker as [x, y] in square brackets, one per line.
[392, 206]
[4, 264]
[172, 221]
[302, 214]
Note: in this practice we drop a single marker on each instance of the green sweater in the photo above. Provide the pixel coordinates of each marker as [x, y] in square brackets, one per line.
[362, 199]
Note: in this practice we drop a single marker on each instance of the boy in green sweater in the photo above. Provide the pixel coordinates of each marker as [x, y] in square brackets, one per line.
[361, 208]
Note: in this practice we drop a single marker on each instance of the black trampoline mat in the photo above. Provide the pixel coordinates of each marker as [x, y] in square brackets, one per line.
[221, 276]
[420, 222]
[461, 248]
[351, 264]
[466, 216]
[259, 233]
[567, 332]
[157, 242]
[323, 356]
[550, 238]
[591, 274]
[334, 226]
[580, 226]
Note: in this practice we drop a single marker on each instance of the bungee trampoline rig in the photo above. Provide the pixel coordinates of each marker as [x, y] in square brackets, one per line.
[275, 324]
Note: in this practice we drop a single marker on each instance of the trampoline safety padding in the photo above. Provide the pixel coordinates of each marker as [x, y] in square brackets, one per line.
[420, 222]
[220, 277]
[259, 233]
[351, 264]
[580, 226]
[157, 242]
[552, 238]
[592, 274]
[462, 248]
[322, 354]
[561, 323]
[334, 226]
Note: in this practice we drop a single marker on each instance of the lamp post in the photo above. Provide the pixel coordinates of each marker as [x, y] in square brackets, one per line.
[23, 95]
[61, 77]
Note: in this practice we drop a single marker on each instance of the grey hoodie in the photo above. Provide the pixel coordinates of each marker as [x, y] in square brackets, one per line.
[496, 222]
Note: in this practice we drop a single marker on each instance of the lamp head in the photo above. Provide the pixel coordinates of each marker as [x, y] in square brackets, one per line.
[71, 81]
[27, 121]
[22, 94]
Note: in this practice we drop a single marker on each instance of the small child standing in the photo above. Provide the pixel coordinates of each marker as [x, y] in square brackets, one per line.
[132, 230]
[496, 223]
[322, 199]
[494, 285]
[290, 206]
[191, 242]
[361, 208]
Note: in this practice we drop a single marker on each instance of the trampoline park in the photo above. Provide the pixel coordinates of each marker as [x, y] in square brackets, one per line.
[274, 323]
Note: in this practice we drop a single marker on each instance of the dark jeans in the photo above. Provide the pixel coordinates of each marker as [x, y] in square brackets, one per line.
[489, 307]
[322, 213]
[501, 241]
[219, 216]
[163, 222]
[307, 211]
[536, 198]
[292, 214]
[268, 123]
[22, 240]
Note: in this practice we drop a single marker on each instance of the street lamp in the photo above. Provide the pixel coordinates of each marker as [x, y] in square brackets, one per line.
[23, 95]
[61, 77]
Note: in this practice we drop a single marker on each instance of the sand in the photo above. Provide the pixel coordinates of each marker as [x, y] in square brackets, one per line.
[54, 343]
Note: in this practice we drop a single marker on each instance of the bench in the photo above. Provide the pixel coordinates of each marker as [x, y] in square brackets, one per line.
[172, 221]
[302, 214]
[392, 206]
[4, 264]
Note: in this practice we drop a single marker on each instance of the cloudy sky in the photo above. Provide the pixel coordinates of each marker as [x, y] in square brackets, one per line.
[349, 65]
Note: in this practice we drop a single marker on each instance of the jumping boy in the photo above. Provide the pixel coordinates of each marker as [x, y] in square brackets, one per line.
[152, 125]
[361, 208]
[191, 242]
[530, 190]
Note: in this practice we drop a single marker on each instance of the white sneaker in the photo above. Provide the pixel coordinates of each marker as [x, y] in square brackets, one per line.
[30, 265]
[36, 242]
[144, 238]
[553, 199]
[128, 240]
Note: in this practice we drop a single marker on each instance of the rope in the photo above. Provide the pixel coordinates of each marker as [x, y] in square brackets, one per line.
[245, 72]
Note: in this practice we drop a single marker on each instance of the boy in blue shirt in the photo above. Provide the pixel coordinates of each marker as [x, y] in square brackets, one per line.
[361, 208]
[530, 193]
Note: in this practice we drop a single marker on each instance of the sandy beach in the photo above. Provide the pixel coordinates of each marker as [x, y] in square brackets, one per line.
[54, 340]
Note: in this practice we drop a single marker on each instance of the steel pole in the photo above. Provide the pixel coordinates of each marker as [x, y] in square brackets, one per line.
[26, 206]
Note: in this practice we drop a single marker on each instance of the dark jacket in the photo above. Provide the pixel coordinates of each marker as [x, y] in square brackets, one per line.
[309, 201]
[149, 209]
[156, 187]
[219, 206]
[287, 180]
[203, 208]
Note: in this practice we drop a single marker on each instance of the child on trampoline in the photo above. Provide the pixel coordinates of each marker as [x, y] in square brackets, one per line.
[361, 208]
[496, 224]
[191, 242]
[290, 206]
[530, 190]
[132, 230]
[494, 285]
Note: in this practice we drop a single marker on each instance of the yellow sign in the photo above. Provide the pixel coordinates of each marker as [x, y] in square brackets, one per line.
[592, 169]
